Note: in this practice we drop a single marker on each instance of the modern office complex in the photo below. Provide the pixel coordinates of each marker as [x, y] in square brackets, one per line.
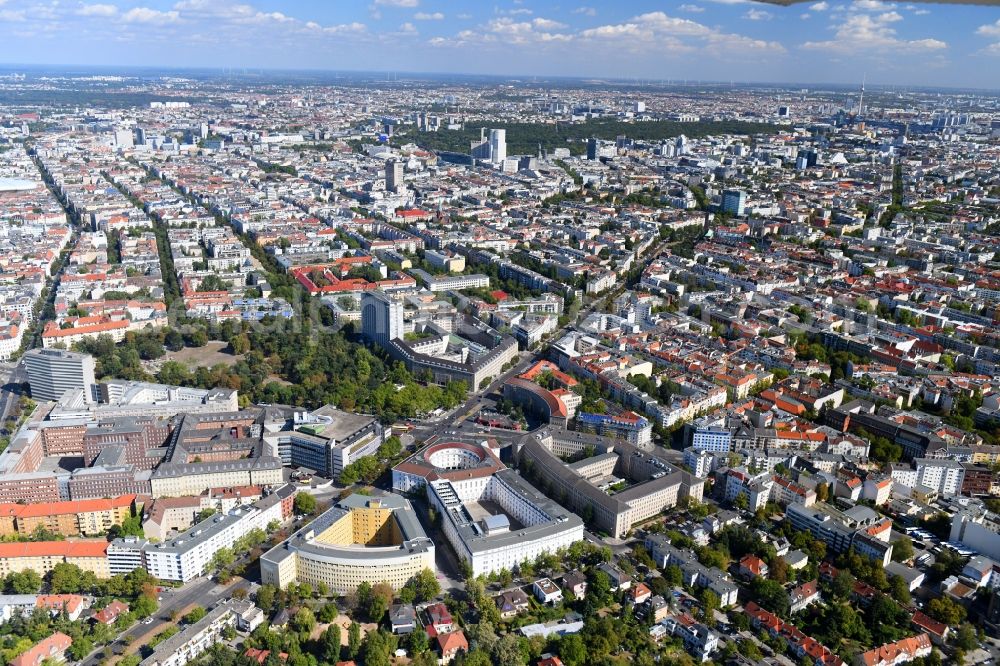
[327, 439]
[52, 372]
[712, 437]
[493, 518]
[629, 426]
[361, 538]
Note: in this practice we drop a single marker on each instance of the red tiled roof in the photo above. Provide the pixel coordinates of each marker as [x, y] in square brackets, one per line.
[71, 506]
[452, 642]
[901, 651]
[54, 549]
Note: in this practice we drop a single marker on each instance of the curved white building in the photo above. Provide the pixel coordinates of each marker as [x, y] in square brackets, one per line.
[361, 538]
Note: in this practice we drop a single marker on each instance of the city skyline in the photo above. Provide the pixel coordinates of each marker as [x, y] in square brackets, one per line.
[720, 40]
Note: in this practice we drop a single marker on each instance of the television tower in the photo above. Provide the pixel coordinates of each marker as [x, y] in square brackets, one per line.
[861, 99]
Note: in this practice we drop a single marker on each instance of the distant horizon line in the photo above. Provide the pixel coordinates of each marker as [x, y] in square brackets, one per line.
[238, 71]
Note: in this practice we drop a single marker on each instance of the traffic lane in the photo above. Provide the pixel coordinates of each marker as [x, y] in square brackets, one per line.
[205, 593]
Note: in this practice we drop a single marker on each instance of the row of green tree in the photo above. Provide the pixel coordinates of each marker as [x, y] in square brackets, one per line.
[283, 363]
[527, 138]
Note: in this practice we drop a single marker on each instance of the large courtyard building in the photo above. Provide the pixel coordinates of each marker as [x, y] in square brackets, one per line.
[617, 487]
[215, 451]
[472, 353]
[361, 538]
[492, 517]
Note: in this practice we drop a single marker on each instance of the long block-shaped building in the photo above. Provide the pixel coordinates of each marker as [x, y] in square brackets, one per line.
[71, 518]
[42, 556]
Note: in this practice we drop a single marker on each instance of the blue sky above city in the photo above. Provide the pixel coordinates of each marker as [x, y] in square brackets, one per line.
[894, 43]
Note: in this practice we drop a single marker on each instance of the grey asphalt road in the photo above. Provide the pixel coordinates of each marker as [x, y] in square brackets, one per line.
[9, 389]
[202, 591]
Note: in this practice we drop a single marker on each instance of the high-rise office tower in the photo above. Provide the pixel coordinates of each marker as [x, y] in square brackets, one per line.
[381, 317]
[810, 155]
[680, 144]
[393, 175]
[592, 148]
[123, 138]
[52, 372]
[498, 145]
[734, 202]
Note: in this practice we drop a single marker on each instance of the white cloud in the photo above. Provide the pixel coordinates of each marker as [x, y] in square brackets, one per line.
[464, 17]
[345, 28]
[408, 29]
[264, 17]
[397, 3]
[519, 12]
[586, 11]
[97, 10]
[860, 33]
[650, 26]
[12, 16]
[730, 2]
[653, 32]
[147, 15]
[425, 16]
[692, 9]
[669, 33]
[990, 29]
[270, 25]
[992, 50]
[758, 15]
[821, 6]
[806, 16]
[872, 5]
[523, 32]
[921, 12]
[461, 39]
[546, 24]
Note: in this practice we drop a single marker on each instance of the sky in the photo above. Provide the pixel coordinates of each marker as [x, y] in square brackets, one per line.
[824, 41]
